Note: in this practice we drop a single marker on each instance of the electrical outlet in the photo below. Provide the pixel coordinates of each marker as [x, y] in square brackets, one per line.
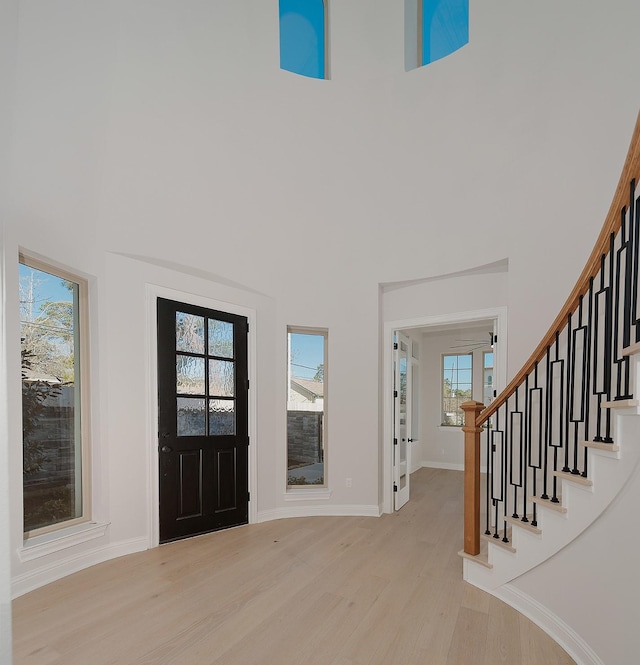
[348, 482]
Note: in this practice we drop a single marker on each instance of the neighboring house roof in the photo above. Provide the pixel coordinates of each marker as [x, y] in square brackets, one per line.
[308, 387]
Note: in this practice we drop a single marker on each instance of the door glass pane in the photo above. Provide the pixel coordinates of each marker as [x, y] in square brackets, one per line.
[220, 338]
[191, 416]
[222, 417]
[221, 378]
[403, 391]
[189, 375]
[189, 333]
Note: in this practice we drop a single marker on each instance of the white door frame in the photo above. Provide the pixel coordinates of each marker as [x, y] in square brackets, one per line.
[500, 374]
[153, 292]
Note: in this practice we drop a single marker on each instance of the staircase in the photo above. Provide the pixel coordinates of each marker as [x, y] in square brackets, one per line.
[581, 501]
[561, 441]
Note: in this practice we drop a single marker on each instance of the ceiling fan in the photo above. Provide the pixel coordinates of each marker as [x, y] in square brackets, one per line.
[473, 344]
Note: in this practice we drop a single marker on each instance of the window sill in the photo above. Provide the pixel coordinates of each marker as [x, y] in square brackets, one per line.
[306, 494]
[48, 543]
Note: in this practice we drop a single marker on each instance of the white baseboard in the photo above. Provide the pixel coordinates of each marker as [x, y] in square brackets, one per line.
[316, 511]
[552, 624]
[29, 581]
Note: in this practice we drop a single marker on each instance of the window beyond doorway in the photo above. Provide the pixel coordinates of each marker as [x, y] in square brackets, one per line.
[457, 387]
[306, 407]
[54, 378]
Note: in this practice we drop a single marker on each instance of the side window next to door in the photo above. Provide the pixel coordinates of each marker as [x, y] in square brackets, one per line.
[306, 407]
[55, 416]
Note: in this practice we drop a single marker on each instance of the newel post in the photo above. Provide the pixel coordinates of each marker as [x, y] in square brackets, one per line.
[471, 476]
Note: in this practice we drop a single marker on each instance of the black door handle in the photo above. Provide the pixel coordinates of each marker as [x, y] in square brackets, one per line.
[166, 449]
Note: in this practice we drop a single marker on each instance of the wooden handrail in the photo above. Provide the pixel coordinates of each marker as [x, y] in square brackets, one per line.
[630, 171]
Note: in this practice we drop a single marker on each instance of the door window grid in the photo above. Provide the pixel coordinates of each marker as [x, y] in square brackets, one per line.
[205, 366]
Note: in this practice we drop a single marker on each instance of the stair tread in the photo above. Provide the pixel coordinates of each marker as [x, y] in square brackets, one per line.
[598, 445]
[620, 404]
[558, 507]
[482, 558]
[499, 542]
[527, 526]
[580, 480]
[631, 350]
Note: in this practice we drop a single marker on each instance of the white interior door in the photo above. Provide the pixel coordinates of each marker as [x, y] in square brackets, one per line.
[413, 414]
[401, 400]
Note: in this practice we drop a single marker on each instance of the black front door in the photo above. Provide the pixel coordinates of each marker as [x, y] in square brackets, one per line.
[203, 434]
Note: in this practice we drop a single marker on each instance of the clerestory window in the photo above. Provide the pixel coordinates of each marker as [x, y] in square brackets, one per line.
[434, 29]
[303, 37]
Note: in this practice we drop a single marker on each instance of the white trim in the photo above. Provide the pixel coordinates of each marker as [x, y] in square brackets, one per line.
[152, 293]
[497, 313]
[26, 582]
[552, 624]
[54, 541]
[307, 494]
[318, 511]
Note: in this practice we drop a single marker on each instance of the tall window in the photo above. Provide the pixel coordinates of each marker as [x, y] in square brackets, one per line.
[457, 386]
[306, 407]
[487, 379]
[303, 37]
[51, 311]
[434, 29]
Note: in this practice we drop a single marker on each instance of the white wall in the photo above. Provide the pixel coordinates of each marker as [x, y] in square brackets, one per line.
[164, 129]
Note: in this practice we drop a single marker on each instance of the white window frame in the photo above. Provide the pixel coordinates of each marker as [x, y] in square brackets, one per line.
[320, 332]
[84, 393]
[442, 398]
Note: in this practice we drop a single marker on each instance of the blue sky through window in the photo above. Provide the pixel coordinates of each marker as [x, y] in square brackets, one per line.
[445, 28]
[302, 37]
[307, 352]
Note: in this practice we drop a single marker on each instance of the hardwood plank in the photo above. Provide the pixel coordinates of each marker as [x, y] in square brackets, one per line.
[319, 591]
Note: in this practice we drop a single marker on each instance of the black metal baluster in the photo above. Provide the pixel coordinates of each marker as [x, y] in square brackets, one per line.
[636, 259]
[567, 416]
[515, 449]
[506, 464]
[535, 449]
[497, 499]
[600, 356]
[556, 367]
[609, 339]
[488, 497]
[587, 390]
[525, 452]
[577, 416]
[547, 419]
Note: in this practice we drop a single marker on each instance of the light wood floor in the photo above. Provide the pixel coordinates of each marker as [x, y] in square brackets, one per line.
[312, 591]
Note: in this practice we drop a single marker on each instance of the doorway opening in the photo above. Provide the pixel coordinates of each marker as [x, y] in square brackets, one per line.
[428, 420]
